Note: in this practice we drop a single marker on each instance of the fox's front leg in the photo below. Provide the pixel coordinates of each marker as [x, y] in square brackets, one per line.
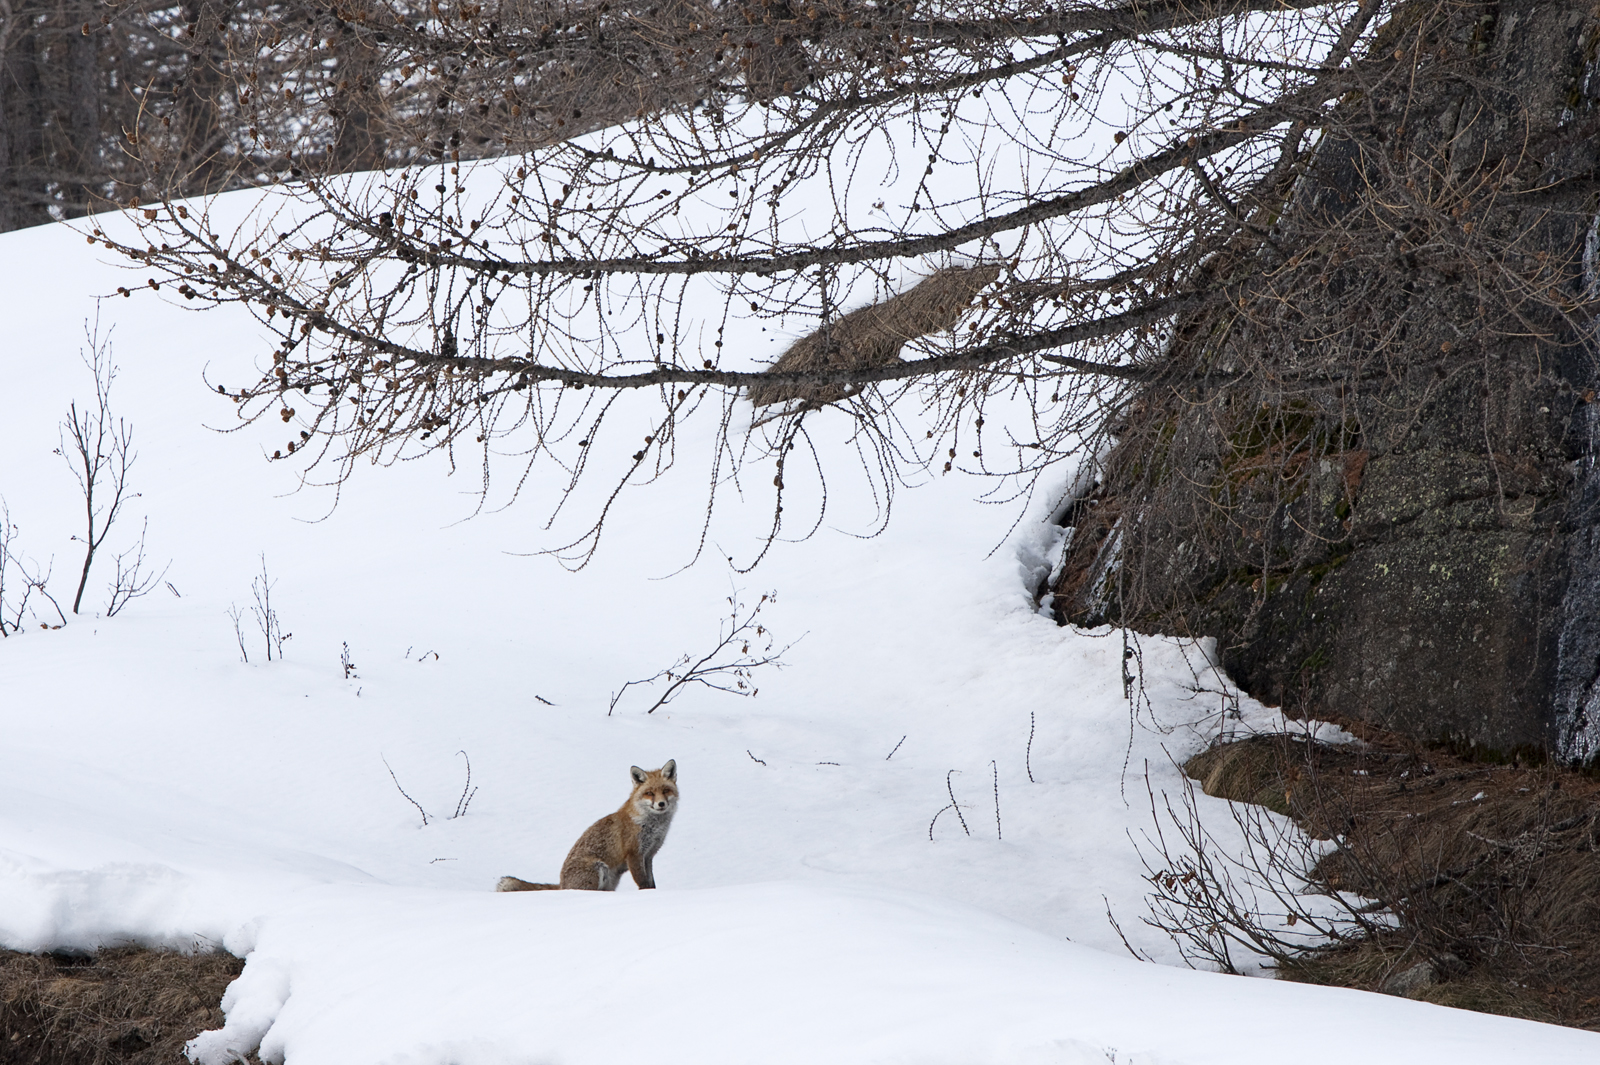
[640, 867]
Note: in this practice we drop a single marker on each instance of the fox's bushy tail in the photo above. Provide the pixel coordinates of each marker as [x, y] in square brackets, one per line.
[511, 883]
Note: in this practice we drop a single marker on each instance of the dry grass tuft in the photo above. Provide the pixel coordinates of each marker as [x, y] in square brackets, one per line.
[873, 336]
[1253, 771]
[123, 1006]
[1492, 871]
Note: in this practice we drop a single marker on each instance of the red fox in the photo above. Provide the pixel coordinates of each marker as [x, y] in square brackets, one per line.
[627, 839]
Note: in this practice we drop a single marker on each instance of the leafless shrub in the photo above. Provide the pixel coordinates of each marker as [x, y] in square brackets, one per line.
[345, 661]
[1224, 906]
[236, 616]
[132, 580]
[729, 666]
[265, 614]
[267, 622]
[8, 534]
[20, 580]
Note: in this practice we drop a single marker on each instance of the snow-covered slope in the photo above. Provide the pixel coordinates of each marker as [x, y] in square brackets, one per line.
[155, 788]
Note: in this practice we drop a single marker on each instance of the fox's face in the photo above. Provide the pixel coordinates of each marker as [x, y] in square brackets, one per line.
[655, 792]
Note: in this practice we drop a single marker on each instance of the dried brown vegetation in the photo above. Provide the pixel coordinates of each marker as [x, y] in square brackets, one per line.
[123, 1006]
[1484, 879]
[873, 335]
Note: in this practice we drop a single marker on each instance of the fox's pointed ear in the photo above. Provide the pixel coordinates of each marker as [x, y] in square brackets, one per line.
[670, 770]
[637, 774]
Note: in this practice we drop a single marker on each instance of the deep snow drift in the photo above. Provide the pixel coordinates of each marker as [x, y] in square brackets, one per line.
[155, 788]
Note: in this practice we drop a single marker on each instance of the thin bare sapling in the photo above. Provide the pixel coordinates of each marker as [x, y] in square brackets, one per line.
[266, 616]
[267, 620]
[237, 617]
[97, 446]
[8, 535]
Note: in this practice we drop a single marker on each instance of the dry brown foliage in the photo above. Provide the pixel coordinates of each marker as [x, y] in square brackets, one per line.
[1487, 876]
[122, 1006]
[872, 336]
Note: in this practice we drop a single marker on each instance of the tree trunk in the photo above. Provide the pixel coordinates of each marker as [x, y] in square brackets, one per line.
[196, 158]
[23, 195]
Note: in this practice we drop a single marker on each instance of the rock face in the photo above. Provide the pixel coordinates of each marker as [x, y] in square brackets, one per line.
[1576, 694]
[1376, 481]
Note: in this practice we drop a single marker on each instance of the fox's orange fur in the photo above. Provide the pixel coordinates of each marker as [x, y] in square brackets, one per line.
[627, 839]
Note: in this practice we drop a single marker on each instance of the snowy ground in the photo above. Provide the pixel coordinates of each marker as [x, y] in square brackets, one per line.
[154, 788]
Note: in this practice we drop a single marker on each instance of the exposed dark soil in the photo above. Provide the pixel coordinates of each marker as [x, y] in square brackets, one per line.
[1492, 870]
[125, 1006]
